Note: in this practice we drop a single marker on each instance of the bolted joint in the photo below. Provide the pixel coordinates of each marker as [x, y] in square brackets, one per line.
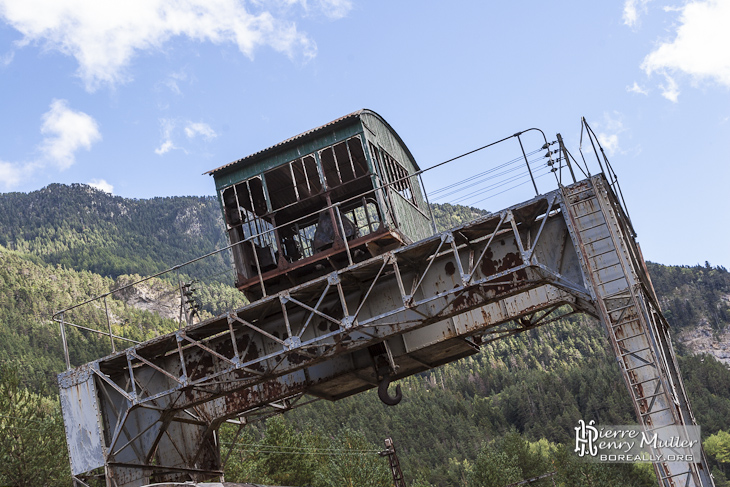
[347, 322]
[292, 342]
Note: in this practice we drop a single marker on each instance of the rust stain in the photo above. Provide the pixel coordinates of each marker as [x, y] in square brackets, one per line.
[199, 366]
[252, 396]
[296, 358]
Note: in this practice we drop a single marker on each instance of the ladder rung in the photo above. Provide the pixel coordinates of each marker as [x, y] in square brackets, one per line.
[604, 253]
[601, 268]
[645, 381]
[582, 191]
[621, 308]
[639, 366]
[586, 214]
[652, 396]
[688, 473]
[649, 430]
[634, 352]
[594, 226]
[632, 336]
[654, 412]
[624, 322]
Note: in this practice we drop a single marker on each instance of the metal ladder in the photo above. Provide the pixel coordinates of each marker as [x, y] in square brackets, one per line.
[632, 320]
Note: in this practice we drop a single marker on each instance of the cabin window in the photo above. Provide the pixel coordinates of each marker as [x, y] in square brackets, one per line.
[357, 154]
[280, 182]
[397, 174]
[277, 197]
[343, 162]
[306, 177]
[292, 182]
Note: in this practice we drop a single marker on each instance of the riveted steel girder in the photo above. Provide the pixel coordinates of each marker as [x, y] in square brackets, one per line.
[159, 404]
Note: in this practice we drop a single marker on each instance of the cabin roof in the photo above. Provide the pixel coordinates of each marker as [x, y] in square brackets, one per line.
[301, 138]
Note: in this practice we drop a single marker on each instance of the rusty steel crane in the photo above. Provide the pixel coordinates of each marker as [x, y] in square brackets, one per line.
[351, 287]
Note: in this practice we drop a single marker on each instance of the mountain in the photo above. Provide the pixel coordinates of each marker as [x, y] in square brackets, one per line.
[63, 244]
[83, 228]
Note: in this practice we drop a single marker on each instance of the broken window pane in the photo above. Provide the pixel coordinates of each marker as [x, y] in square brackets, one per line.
[256, 190]
[329, 167]
[313, 178]
[281, 187]
[358, 156]
[343, 162]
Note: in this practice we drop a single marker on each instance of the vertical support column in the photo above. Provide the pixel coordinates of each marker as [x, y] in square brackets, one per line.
[393, 462]
[638, 333]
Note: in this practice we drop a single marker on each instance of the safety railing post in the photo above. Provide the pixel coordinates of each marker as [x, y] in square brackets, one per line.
[109, 325]
[65, 343]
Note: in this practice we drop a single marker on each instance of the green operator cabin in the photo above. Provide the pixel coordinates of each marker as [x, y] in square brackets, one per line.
[320, 201]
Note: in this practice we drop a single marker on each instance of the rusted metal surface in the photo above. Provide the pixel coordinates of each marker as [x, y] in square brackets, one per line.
[428, 304]
[82, 421]
[636, 329]
[393, 462]
[377, 318]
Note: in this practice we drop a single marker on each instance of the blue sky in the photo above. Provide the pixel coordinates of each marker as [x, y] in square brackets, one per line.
[141, 97]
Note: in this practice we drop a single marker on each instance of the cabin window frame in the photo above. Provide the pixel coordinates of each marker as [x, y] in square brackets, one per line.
[393, 171]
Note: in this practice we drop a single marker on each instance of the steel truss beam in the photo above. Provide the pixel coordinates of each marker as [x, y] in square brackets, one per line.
[157, 406]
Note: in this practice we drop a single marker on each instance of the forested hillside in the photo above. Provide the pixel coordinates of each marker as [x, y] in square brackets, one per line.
[502, 415]
[86, 229]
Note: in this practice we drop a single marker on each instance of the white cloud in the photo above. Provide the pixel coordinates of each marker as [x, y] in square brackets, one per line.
[670, 90]
[11, 174]
[699, 48]
[635, 88]
[633, 9]
[171, 129]
[66, 132]
[7, 58]
[167, 127]
[609, 142]
[172, 84]
[105, 35]
[172, 81]
[199, 128]
[335, 9]
[165, 147]
[608, 132]
[332, 9]
[101, 185]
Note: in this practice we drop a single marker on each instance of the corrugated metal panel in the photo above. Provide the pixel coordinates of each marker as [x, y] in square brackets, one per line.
[286, 142]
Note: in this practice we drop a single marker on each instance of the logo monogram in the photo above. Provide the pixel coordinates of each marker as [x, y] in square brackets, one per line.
[585, 437]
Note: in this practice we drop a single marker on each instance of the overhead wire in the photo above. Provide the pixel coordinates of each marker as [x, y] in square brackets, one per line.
[515, 186]
[290, 450]
[485, 179]
[500, 183]
[475, 176]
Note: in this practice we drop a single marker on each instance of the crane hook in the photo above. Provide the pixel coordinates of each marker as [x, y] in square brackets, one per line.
[383, 392]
